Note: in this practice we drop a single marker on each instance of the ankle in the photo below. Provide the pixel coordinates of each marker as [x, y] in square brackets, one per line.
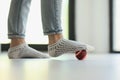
[54, 38]
[16, 42]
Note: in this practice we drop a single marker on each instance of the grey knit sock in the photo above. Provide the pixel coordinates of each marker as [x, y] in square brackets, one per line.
[67, 46]
[24, 51]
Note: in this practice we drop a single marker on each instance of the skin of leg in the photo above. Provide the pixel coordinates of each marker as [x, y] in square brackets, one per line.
[54, 38]
[16, 41]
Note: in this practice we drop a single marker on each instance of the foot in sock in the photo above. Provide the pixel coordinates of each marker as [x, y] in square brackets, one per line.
[24, 51]
[67, 46]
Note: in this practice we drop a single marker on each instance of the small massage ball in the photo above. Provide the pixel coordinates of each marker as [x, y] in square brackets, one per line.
[80, 55]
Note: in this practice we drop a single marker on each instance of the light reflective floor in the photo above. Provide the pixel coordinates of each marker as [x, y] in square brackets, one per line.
[66, 67]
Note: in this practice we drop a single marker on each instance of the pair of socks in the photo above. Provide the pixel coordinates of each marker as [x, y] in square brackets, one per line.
[60, 47]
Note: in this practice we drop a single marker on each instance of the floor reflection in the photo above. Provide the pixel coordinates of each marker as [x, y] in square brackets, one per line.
[101, 67]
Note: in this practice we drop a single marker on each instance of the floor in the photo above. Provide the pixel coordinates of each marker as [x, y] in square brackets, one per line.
[66, 67]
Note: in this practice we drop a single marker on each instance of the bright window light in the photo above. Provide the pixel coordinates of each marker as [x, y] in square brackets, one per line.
[116, 25]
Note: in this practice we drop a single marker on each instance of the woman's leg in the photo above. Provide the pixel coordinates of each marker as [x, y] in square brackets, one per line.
[51, 14]
[51, 17]
[17, 20]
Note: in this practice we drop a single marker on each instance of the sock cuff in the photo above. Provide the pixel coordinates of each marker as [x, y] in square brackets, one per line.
[59, 41]
[18, 47]
[62, 40]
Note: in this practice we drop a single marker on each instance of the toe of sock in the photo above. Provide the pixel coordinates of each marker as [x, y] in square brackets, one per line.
[90, 48]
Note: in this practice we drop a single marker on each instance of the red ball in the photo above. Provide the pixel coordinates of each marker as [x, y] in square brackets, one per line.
[80, 55]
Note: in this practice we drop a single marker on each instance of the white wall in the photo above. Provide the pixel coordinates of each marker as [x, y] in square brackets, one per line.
[92, 23]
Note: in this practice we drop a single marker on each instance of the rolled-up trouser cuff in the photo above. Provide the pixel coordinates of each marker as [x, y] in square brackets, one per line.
[11, 36]
[53, 32]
